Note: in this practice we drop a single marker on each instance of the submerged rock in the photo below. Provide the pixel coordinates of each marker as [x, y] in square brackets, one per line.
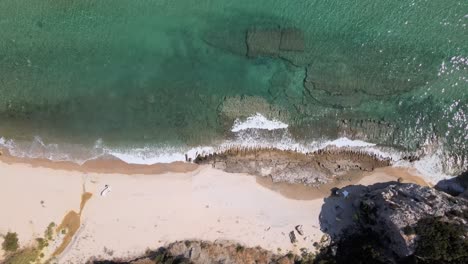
[292, 39]
[263, 42]
[245, 106]
[270, 42]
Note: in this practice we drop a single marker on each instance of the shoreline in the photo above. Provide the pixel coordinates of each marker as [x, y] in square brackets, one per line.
[113, 165]
[154, 209]
[107, 165]
[147, 161]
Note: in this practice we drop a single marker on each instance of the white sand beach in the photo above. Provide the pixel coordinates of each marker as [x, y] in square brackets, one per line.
[144, 211]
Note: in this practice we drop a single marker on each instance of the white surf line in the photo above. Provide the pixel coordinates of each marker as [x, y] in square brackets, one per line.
[346, 142]
[245, 137]
[257, 121]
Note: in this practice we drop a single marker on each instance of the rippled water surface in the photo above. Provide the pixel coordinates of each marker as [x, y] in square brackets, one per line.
[180, 72]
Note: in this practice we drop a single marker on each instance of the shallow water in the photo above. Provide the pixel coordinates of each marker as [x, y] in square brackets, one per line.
[179, 73]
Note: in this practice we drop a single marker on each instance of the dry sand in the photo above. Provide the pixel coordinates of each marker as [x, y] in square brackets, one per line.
[147, 211]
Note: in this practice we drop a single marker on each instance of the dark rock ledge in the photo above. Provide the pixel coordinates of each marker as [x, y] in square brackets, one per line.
[395, 223]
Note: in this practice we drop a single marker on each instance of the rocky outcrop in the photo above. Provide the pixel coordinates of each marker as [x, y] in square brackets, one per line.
[396, 210]
[208, 252]
[312, 169]
[399, 219]
[456, 186]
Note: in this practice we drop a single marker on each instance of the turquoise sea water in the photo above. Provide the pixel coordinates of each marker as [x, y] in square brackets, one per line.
[179, 72]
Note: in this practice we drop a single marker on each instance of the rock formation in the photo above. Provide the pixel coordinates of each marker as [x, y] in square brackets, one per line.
[263, 42]
[456, 186]
[207, 252]
[270, 42]
[400, 222]
[292, 39]
[312, 169]
[397, 208]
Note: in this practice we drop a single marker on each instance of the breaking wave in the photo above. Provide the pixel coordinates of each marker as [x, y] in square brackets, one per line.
[257, 121]
[255, 132]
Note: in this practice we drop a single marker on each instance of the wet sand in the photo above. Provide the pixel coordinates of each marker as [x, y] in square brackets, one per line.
[107, 164]
[302, 192]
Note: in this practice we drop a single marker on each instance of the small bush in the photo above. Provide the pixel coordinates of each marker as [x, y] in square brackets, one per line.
[306, 257]
[441, 242]
[49, 233]
[23, 256]
[10, 242]
[239, 248]
[41, 243]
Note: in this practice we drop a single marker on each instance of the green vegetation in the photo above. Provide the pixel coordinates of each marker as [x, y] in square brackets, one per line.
[49, 233]
[42, 243]
[10, 242]
[163, 256]
[306, 257]
[437, 241]
[27, 255]
[441, 242]
[290, 255]
[239, 248]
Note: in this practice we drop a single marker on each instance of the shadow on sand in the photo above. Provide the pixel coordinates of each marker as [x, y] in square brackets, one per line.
[340, 211]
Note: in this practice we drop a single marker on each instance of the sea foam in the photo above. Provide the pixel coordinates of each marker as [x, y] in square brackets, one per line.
[258, 121]
[247, 134]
